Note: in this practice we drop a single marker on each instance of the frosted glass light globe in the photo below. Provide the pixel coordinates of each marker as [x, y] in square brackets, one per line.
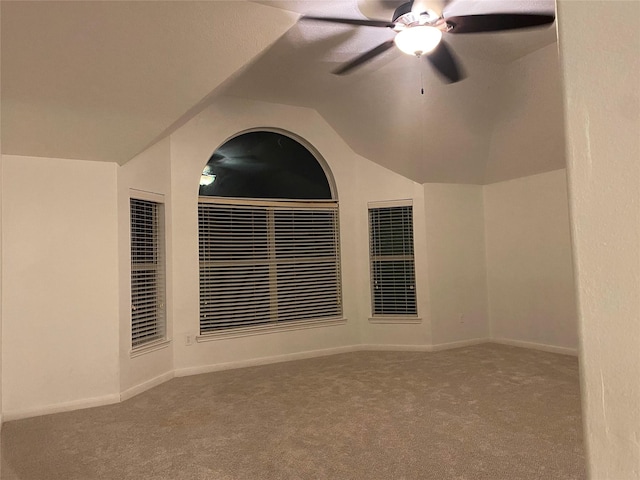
[207, 179]
[418, 40]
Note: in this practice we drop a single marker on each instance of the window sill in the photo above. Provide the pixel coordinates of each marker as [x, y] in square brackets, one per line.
[149, 347]
[271, 328]
[395, 320]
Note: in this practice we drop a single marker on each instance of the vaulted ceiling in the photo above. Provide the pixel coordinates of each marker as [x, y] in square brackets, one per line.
[104, 80]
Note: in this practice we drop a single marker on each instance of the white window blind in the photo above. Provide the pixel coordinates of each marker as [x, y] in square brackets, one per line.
[262, 264]
[147, 273]
[392, 261]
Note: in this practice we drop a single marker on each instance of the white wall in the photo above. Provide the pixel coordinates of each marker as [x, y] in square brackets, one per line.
[600, 45]
[1, 169]
[60, 284]
[529, 268]
[149, 172]
[456, 262]
[1, 163]
[357, 180]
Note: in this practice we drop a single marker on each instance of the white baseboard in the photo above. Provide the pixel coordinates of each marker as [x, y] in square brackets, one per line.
[536, 346]
[383, 347]
[459, 344]
[147, 385]
[61, 407]
[252, 362]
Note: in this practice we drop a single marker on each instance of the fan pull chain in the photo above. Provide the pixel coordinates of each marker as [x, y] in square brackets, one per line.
[421, 77]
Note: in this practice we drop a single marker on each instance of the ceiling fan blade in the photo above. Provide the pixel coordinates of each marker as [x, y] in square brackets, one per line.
[443, 60]
[352, 21]
[365, 57]
[496, 22]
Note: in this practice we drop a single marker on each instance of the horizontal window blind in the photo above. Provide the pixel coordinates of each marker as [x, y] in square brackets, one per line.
[147, 273]
[262, 264]
[392, 261]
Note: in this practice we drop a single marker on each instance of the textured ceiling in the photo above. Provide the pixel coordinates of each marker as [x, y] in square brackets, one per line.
[103, 80]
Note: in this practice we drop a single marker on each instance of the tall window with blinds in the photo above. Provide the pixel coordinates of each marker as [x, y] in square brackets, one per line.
[147, 273]
[267, 263]
[392, 261]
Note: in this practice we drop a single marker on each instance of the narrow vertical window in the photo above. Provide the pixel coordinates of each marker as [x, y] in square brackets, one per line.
[392, 262]
[147, 273]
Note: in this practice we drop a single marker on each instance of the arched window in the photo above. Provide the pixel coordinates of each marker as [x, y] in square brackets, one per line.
[268, 235]
[264, 165]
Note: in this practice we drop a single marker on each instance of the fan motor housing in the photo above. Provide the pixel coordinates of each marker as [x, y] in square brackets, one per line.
[401, 10]
[404, 17]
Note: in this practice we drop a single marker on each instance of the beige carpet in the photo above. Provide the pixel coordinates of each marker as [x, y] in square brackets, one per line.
[482, 412]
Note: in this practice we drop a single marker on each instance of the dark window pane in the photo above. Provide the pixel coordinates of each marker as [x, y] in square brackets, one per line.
[394, 287]
[144, 224]
[265, 165]
[232, 233]
[392, 231]
[231, 297]
[392, 261]
[266, 264]
[305, 233]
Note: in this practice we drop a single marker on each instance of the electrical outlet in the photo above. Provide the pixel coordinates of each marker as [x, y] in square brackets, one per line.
[462, 318]
[189, 338]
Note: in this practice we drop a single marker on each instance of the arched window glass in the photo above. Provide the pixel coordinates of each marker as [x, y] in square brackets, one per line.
[268, 237]
[264, 165]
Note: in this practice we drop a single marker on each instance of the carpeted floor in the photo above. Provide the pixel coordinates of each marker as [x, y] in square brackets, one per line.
[483, 412]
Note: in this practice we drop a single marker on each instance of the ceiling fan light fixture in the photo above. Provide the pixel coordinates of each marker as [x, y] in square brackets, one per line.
[418, 40]
[207, 179]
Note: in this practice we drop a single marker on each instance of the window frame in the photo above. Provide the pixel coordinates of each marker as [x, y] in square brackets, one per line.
[158, 265]
[410, 315]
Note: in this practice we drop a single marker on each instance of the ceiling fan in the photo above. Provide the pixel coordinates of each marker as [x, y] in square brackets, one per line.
[420, 31]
